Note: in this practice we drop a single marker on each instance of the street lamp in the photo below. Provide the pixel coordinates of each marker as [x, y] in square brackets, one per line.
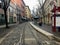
[5, 7]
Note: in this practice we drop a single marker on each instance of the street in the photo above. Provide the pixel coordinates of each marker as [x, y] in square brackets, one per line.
[25, 34]
[29, 22]
[4, 31]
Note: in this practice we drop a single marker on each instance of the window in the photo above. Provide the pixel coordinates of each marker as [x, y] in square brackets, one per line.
[2, 15]
[0, 5]
[9, 9]
[56, 0]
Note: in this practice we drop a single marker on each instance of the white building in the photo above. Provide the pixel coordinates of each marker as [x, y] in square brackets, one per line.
[48, 6]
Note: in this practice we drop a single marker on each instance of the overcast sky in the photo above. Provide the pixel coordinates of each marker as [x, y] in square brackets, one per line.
[32, 3]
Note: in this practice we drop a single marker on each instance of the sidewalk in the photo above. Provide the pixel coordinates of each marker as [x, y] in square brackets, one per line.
[4, 31]
[2, 26]
[49, 30]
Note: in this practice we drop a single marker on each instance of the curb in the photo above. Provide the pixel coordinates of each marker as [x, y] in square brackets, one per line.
[47, 34]
[56, 38]
[3, 26]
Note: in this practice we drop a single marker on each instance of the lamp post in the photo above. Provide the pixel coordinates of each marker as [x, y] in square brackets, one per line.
[5, 7]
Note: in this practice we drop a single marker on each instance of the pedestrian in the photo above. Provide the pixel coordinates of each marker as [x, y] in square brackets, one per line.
[40, 22]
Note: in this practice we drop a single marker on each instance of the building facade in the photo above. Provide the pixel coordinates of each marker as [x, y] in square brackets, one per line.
[2, 16]
[48, 6]
[11, 12]
[15, 11]
[20, 9]
[27, 12]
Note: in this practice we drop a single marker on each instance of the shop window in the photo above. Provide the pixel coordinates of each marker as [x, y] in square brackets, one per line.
[2, 15]
[9, 9]
[0, 5]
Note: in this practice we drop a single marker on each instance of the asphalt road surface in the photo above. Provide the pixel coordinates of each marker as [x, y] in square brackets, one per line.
[25, 34]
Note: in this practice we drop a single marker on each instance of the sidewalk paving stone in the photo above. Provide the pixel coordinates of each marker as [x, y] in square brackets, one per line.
[48, 28]
[4, 31]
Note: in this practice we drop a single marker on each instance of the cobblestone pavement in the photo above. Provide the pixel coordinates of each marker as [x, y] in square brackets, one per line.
[42, 39]
[29, 36]
[24, 34]
[13, 37]
[4, 31]
[48, 28]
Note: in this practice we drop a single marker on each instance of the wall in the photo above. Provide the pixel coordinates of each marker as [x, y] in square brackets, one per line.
[48, 7]
[27, 11]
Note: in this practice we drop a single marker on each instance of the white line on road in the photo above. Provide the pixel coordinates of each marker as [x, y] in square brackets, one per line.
[47, 42]
[5, 36]
[14, 43]
[58, 43]
[30, 39]
[20, 42]
[21, 38]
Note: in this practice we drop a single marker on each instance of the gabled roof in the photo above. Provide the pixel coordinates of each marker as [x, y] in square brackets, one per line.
[16, 2]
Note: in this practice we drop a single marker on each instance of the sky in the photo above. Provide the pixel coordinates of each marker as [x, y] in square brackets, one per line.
[32, 3]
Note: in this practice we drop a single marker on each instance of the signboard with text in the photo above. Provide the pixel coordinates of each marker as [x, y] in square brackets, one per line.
[57, 20]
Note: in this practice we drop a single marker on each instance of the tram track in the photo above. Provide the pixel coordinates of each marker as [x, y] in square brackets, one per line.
[21, 41]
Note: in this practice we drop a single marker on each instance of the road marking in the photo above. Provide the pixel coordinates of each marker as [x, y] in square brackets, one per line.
[58, 43]
[21, 38]
[47, 42]
[5, 36]
[20, 42]
[14, 43]
[30, 39]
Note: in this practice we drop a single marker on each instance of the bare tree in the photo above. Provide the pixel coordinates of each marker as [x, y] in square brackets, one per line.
[33, 11]
[5, 7]
[41, 8]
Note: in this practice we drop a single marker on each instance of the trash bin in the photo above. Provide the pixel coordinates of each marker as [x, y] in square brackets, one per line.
[59, 29]
[40, 24]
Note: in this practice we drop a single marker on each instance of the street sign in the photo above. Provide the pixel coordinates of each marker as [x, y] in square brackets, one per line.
[58, 20]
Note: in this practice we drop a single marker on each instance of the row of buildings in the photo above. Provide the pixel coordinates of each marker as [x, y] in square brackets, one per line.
[28, 13]
[15, 12]
[47, 7]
